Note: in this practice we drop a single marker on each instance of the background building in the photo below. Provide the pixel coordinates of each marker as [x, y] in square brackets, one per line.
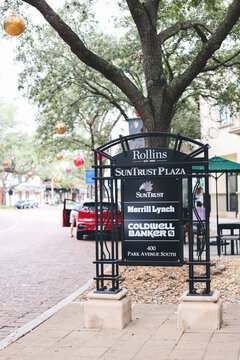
[31, 190]
[221, 130]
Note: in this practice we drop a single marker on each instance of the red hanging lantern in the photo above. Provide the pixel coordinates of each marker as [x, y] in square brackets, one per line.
[136, 113]
[5, 163]
[98, 157]
[78, 161]
[68, 170]
[29, 174]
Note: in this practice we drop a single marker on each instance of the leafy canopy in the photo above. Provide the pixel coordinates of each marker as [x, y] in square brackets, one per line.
[170, 51]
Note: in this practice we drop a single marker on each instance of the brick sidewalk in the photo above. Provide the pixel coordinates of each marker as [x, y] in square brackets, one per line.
[152, 335]
[40, 265]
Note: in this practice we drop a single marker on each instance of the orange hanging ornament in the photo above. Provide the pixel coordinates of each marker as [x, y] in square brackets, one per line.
[61, 128]
[59, 156]
[14, 25]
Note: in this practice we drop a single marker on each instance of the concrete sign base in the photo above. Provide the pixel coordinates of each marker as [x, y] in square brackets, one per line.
[107, 311]
[200, 312]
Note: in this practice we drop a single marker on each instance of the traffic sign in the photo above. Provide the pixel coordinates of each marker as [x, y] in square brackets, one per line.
[89, 174]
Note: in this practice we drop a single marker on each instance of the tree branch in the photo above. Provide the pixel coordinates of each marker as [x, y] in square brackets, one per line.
[111, 100]
[180, 83]
[77, 141]
[145, 17]
[12, 170]
[201, 34]
[114, 123]
[222, 63]
[111, 72]
[177, 27]
[100, 93]
[138, 14]
[166, 57]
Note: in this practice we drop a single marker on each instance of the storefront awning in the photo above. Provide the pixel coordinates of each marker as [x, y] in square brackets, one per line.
[30, 187]
[218, 164]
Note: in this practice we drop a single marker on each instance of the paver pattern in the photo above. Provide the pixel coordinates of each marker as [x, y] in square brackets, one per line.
[151, 335]
[40, 264]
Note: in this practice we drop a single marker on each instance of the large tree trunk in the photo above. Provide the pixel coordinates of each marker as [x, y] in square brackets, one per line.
[157, 125]
[157, 116]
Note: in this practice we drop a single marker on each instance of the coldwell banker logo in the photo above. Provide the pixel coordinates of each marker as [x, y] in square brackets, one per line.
[145, 191]
[149, 155]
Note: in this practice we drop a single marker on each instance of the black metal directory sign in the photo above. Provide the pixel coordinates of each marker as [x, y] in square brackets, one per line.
[151, 226]
[148, 182]
[152, 206]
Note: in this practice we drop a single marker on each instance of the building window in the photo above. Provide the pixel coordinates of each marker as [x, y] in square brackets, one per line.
[225, 117]
[232, 198]
[236, 121]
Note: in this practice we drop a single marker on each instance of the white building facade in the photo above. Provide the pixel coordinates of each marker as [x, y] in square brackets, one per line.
[31, 190]
[221, 131]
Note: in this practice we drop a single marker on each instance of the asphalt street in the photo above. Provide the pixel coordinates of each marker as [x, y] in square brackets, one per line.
[40, 264]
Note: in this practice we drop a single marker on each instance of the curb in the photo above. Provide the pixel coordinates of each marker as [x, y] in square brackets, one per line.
[43, 317]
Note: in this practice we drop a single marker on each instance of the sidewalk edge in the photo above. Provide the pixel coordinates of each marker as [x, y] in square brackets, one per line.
[43, 317]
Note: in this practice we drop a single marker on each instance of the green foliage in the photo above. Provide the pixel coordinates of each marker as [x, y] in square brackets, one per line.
[65, 89]
[56, 170]
[14, 144]
[181, 49]
[186, 121]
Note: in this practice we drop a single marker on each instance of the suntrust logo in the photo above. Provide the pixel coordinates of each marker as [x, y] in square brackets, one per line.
[146, 186]
[145, 191]
[149, 155]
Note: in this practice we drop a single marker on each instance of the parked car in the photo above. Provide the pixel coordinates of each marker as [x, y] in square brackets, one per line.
[86, 224]
[86, 218]
[32, 203]
[22, 204]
